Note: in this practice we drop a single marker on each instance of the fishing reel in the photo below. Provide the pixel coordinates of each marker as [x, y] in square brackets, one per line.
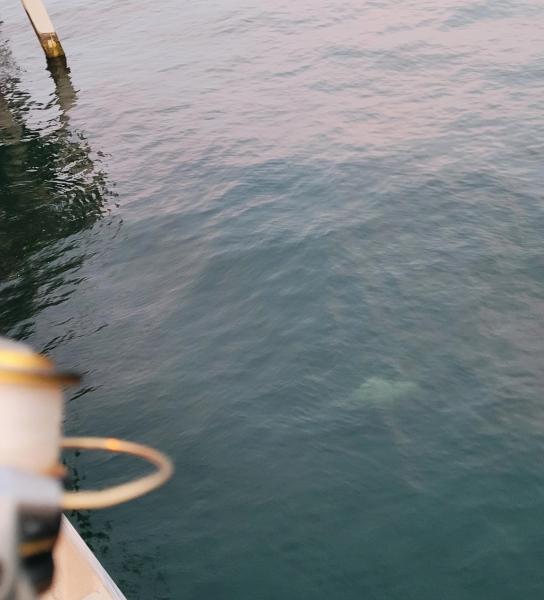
[32, 494]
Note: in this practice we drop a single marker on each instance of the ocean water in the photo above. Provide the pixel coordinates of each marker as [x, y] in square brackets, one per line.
[298, 246]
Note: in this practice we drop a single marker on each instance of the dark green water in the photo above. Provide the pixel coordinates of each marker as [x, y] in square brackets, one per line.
[297, 246]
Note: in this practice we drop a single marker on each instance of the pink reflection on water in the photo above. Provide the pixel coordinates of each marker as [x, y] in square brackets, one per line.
[347, 76]
[328, 78]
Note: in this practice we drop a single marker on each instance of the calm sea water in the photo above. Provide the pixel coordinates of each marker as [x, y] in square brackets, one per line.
[299, 247]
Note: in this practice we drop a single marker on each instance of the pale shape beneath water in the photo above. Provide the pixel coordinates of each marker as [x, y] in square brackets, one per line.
[384, 393]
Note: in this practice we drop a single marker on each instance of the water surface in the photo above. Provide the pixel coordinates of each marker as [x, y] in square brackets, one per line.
[297, 246]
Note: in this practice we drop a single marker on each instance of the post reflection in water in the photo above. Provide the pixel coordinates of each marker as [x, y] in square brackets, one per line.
[51, 188]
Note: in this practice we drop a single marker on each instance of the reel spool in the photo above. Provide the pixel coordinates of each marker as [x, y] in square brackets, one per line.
[31, 409]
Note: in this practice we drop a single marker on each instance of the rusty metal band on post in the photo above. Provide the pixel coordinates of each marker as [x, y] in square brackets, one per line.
[51, 45]
[93, 499]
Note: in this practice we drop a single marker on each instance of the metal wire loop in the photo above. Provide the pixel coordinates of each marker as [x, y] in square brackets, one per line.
[94, 499]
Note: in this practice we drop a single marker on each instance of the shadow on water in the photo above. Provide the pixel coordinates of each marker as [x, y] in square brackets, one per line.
[50, 189]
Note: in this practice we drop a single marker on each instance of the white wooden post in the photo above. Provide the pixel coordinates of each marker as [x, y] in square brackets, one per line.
[43, 27]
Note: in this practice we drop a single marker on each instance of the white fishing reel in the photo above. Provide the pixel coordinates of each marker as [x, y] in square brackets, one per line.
[32, 496]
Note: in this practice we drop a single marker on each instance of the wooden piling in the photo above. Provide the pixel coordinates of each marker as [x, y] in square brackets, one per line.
[43, 27]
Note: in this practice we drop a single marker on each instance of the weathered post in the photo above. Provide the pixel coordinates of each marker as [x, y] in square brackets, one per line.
[43, 27]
